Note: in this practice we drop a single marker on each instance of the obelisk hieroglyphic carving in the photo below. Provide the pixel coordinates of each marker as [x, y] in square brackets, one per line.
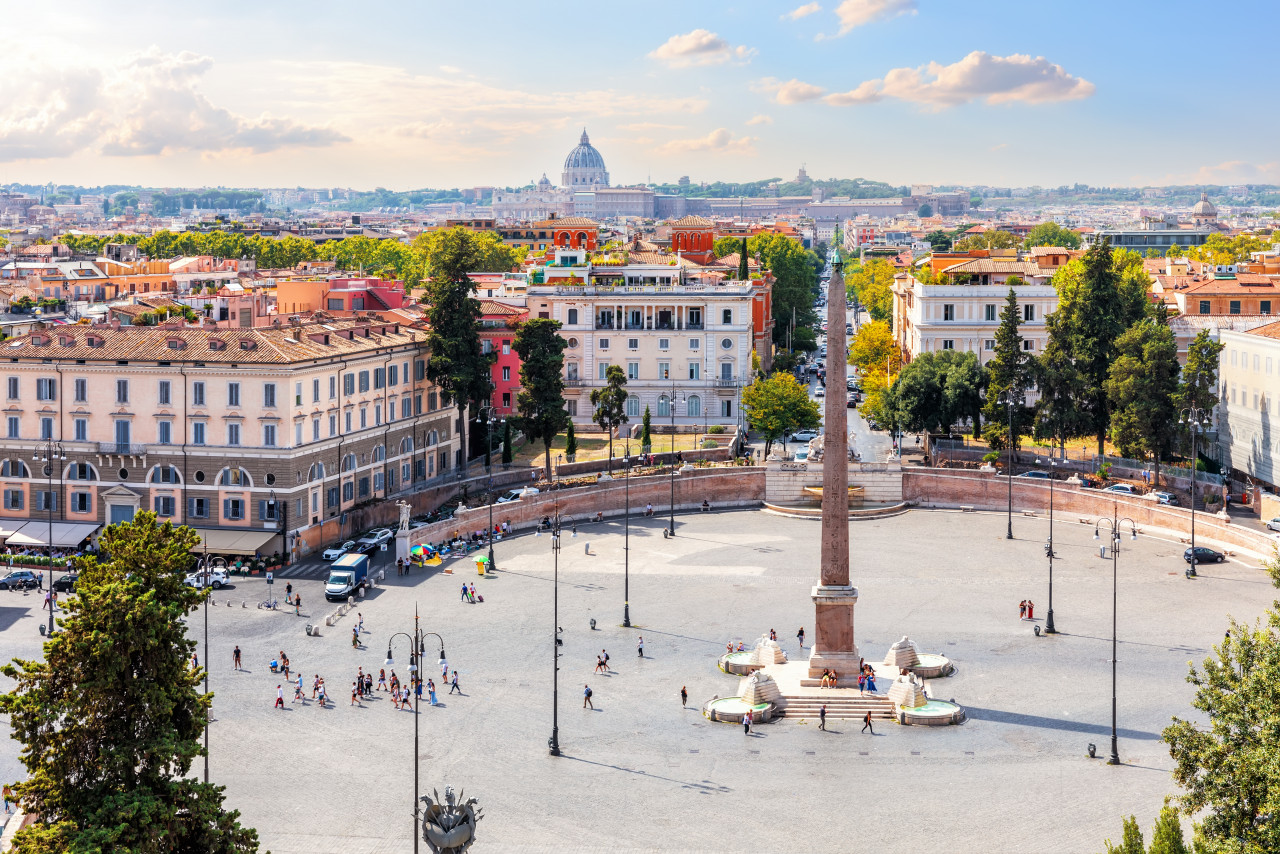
[834, 598]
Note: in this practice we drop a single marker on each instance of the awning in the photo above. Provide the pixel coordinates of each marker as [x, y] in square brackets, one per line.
[225, 542]
[65, 534]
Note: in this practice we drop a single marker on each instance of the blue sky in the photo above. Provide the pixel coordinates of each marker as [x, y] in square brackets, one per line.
[423, 93]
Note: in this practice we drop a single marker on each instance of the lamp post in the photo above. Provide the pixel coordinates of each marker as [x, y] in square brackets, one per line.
[1114, 525]
[1048, 549]
[490, 423]
[206, 565]
[671, 529]
[1198, 420]
[1008, 397]
[626, 544]
[553, 743]
[50, 454]
[416, 648]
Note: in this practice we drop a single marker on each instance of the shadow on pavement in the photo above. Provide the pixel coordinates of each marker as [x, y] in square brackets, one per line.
[997, 716]
[705, 787]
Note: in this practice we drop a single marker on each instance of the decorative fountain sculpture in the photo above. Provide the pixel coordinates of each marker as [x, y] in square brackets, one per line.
[764, 653]
[449, 827]
[758, 698]
[904, 656]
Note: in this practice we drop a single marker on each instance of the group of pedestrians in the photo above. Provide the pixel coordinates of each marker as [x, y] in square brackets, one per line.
[469, 594]
[1026, 610]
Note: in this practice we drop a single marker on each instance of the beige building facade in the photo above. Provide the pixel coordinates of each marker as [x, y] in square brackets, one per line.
[1249, 403]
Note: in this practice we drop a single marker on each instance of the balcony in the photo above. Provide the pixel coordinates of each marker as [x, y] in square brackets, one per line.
[122, 449]
[573, 382]
[721, 382]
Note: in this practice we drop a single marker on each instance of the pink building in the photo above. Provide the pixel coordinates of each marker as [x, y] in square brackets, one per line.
[497, 335]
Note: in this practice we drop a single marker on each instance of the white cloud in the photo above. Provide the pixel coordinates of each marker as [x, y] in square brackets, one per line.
[789, 92]
[979, 76]
[802, 11]
[650, 126]
[719, 140]
[857, 13]
[761, 119]
[146, 105]
[999, 145]
[699, 47]
[1228, 172]
[451, 69]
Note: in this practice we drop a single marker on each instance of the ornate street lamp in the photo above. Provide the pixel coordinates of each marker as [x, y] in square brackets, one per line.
[417, 647]
[1114, 525]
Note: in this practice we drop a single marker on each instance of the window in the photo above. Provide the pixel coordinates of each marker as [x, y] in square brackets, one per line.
[122, 391]
[46, 501]
[1204, 306]
[333, 387]
[232, 509]
[197, 433]
[233, 434]
[405, 371]
[1028, 313]
[81, 502]
[81, 471]
[1235, 306]
[379, 377]
[333, 425]
[377, 414]
[694, 406]
[377, 480]
[604, 344]
[233, 394]
[633, 343]
[948, 311]
[269, 435]
[297, 394]
[695, 369]
[348, 491]
[694, 343]
[164, 505]
[315, 391]
[1233, 358]
[432, 403]
[633, 370]
[633, 406]
[331, 497]
[347, 421]
[419, 370]
[315, 429]
[571, 408]
[989, 313]
[363, 487]
[1028, 344]
[13, 388]
[197, 393]
[664, 406]
[664, 343]
[1255, 362]
[13, 499]
[364, 381]
[82, 391]
[1268, 366]
[269, 394]
[572, 317]
[726, 317]
[82, 429]
[234, 477]
[393, 375]
[46, 428]
[664, 370]
[506, 374]
[726, 371]
[948, 344]
[1264, 306]
[348, 384]
[404, 405]
[989, 344]
[604, 369]
[13, 468]
[364, 417]
[726, 343]
[726, 409]
[47, 389]
[13, 423]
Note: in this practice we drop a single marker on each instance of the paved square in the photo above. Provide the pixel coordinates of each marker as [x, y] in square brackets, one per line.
[640, 773]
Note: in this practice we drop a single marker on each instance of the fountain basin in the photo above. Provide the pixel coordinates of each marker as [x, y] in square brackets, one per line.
[733, 709]
[739, 663]
[931, 666]
[932, 713]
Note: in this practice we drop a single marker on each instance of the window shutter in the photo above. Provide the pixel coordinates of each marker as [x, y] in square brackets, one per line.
[226, 508]
[262, 510]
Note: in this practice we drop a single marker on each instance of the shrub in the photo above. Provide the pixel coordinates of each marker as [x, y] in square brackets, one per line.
[708, 444]
[991, 457]
[716, 429]
[1104, 471]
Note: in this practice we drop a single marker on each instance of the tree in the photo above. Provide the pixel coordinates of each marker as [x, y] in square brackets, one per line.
[1199, 386]
[570, 442]
[872, 286]
[110, 720]
[1052, 234]
[486, 253]
[940, 241]
[937, 389]
[1166, 835]
[743, 275]
[646, 439]
[1143, 388]
[727, 246]
[456, 364]
[778, 405]
[610, 402]
[1175, 251]
[1057, 417]
[994, 239]
[795, 283]
[1007, 371]
[925, 210]
[1131, 839]
[506, 445]
[540, 402]
[873, 347]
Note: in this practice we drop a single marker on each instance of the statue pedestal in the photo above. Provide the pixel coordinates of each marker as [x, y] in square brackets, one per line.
[833, 644]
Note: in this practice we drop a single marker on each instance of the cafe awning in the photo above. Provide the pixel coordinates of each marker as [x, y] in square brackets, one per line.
[64, 534]
[226, 542]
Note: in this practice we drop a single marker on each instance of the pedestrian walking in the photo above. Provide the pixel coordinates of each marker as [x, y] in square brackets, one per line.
[360, 624]
[288, 593]
[684, 697]
[800, 637]
[599, 664]
[822, 718]
[453, 686]
[235, 657]
[464, 592]
[368, 684]
[355, 693]
[297, 605]
[315, 686]
[399, 566]
[1031, 610]
[586, 697]
[297, 691]
[322, 694]
[640, 647]
[8, 796]
[866, 723]
[355, 637]
[284, 664]
[382, 680]
[746, 723]
[279, 696]
[604, 653]
[1022, 610]
[431, 691]
[405, 700]
[473, 593]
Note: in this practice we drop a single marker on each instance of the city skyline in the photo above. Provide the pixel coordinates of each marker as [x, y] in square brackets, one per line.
[895, 90]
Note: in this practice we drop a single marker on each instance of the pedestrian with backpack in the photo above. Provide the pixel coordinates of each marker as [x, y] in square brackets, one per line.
[586, 697]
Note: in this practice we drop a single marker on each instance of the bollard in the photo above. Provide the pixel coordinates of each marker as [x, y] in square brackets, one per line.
[586, 548]
[1102, 551]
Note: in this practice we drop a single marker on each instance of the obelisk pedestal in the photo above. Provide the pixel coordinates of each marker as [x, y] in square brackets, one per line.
[834, 599]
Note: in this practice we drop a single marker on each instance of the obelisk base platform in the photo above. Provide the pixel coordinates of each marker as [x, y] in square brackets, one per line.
[833, 644]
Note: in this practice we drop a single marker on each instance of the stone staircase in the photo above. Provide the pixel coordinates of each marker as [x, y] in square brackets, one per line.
[839, 707]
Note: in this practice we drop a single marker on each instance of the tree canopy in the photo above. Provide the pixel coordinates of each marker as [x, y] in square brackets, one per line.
[994, 239]
[1142, 388]
[1052, 234]
[778, 405]
[486, 253]
[873, 347]
[871, 285]
[540, 401]
[110, 720]
[610, 402]
[937, 389]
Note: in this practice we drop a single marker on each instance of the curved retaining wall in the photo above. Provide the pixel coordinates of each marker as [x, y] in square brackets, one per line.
[957, 488]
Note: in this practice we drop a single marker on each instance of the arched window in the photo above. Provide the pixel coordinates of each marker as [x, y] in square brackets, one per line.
[316, 472]
[14, 468]
[164, 474]
[406, 445]
[234, 477]
[695, 406]
[80, 471]
[348, 462]
[434, 438]
[664, 407]
[379, 454]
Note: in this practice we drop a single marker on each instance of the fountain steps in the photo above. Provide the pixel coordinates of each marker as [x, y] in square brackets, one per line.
[838, 708]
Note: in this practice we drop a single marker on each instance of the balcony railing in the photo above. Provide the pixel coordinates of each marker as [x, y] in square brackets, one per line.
[574, 382]
[121, 449]
[726, 383]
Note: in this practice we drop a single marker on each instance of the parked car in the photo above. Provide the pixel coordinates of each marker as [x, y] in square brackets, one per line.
[1274, 524]
[215, 578]
[20, 579]
[804, 435]
[853, 400]
[1204, 555]
[374, 539]
[517, 494]
[1033, 475]
[335, 552]
[820, 392]
[1166, 498]
[67, 583]
[1122, 488]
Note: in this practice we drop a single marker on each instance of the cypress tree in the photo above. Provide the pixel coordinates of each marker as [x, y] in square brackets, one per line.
[742, 262]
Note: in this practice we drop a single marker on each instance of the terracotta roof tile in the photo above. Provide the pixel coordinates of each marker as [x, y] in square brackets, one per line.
[693, 221]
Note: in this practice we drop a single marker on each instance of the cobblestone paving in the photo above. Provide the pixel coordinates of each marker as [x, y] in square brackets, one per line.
[642, 774]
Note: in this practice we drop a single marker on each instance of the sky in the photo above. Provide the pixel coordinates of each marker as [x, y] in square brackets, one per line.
[418, 93]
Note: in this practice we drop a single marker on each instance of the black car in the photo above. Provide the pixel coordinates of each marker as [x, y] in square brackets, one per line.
[1204, 555]
[66, 584]
[20, 579]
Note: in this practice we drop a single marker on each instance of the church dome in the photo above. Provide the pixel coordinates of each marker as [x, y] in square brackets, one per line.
[543, 183]
[584, 167]
[584, 156]
[1204, 207]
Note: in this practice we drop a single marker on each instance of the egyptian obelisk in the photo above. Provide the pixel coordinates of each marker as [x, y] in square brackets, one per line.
[834, 598]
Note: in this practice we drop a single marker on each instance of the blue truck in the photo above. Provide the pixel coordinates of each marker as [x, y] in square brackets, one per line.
[347, 574]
